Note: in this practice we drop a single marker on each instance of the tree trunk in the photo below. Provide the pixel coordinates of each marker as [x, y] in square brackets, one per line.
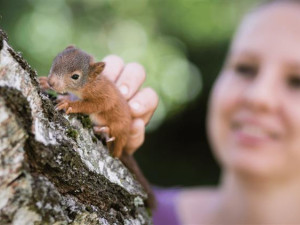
[52, 168]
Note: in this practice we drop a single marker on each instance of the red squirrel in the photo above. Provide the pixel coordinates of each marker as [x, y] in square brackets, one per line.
[75, 71]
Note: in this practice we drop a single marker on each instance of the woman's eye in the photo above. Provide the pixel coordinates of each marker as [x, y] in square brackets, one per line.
[294, 82]
[75, 76]
[244, 69]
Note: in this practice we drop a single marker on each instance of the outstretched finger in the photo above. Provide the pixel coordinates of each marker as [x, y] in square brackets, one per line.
[113, 67]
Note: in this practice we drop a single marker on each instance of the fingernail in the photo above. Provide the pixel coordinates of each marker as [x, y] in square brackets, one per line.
[124, 89]
[135, 105]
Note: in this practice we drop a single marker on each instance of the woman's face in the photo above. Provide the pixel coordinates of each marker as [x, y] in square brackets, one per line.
[254, 116]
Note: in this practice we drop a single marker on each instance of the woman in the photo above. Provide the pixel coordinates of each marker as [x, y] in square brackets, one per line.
[253, 125]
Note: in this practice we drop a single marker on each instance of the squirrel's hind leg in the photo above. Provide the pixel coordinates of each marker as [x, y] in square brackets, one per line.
[102, 132]
[114, 145]
[118, 146]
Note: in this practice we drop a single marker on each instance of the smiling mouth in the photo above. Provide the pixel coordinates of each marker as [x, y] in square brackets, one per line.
[253, 133]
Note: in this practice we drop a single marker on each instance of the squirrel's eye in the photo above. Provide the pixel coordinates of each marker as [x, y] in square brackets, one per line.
[75, 76]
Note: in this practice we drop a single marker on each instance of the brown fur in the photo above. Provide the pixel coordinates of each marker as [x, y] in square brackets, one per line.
[105, 102]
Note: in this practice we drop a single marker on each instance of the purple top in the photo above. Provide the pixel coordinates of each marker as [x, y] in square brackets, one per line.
[165, 213]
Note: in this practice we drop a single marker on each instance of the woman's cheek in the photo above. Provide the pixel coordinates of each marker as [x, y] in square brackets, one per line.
[290, 115]
[223, 103]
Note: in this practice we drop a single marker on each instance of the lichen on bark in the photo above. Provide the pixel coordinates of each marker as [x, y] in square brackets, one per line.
[48, 176]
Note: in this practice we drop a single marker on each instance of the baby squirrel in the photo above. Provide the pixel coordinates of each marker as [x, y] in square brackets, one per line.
[74, 71]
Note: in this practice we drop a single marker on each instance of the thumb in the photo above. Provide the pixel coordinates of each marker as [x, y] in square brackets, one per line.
[136, 137]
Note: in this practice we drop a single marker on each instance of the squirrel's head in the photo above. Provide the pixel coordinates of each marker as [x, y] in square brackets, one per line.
[72, 69]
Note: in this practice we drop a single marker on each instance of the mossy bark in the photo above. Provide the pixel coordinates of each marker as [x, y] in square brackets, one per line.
[52, 168]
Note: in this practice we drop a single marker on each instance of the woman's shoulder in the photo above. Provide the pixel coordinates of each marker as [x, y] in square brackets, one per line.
[204, 193]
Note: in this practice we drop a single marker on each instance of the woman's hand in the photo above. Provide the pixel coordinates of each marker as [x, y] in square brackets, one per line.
[143, 102]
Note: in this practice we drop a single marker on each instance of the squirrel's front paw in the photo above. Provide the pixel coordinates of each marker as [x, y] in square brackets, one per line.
[43, 81]
[64, 105]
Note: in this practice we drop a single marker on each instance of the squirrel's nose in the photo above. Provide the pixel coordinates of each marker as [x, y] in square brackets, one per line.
[51, 83]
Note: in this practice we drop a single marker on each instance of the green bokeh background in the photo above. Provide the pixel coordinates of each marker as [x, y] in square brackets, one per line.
[181, 44]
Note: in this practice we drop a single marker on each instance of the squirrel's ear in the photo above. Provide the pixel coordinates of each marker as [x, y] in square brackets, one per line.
[70, 46]
[98, 67]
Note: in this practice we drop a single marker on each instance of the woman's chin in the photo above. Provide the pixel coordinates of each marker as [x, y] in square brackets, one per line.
[256, 164]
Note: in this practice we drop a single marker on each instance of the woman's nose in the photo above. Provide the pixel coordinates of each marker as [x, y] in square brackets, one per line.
[261, 93]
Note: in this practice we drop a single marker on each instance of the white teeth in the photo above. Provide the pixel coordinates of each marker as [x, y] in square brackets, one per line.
[253, 131]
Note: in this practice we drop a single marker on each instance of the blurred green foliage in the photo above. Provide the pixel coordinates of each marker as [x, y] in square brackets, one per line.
[181, 44]
[137, 30]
